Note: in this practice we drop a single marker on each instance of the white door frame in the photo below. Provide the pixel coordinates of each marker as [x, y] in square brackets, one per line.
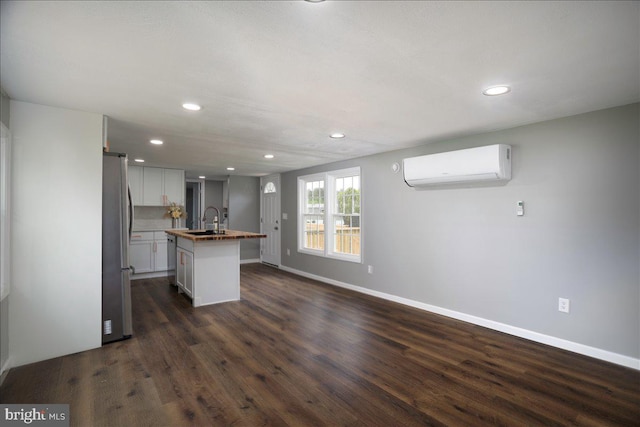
[273, 230]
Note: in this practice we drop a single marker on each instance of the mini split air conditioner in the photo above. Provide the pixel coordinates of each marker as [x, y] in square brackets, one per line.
[473, 166]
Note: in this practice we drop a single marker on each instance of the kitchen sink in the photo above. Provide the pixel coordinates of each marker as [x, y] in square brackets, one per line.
[204, 232]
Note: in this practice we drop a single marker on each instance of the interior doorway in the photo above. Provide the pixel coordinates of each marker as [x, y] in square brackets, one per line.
[194, 203]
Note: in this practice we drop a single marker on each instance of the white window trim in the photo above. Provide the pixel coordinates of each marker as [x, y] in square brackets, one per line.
[302, 180]
[329, 178]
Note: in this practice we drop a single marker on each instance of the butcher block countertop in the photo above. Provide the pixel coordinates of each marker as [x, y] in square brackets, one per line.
[228, 235]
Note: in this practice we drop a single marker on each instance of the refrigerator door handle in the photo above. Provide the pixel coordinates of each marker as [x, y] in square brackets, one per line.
[125, 214]
[131, 211]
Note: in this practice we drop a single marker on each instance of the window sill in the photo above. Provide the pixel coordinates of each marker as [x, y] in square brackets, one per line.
[321, 254]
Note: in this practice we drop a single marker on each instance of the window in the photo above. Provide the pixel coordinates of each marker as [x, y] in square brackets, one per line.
[269, 188]
[329, 214]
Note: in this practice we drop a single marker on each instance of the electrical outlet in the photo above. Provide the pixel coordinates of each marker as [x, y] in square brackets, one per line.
[370, 269]
[107, 327]
[563, 305]
[288, 252]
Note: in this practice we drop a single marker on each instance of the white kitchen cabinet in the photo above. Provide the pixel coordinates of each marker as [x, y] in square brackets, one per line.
[135, 184]
[158, 186]
[188, 275]
[148, 251]
[184, 271]
[160, 251]
[174, 185]
[153, 187]
[141, 254]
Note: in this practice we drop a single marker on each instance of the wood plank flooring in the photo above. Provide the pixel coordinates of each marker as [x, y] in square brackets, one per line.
[295, 352]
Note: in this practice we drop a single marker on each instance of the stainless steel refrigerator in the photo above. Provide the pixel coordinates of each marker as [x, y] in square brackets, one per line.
[117, 220]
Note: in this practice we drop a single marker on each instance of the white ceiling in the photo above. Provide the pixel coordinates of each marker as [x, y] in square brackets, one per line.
[278, 77]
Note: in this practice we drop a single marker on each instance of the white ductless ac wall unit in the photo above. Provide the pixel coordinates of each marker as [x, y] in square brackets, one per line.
[488, 165]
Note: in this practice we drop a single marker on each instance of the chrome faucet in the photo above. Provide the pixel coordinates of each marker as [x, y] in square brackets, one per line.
[216, 219]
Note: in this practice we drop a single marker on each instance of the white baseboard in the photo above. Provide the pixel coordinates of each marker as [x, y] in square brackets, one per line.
[249, 261]
[151, 275]
[586, 350]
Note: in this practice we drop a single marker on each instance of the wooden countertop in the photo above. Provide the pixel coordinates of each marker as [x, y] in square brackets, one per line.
[228, 235]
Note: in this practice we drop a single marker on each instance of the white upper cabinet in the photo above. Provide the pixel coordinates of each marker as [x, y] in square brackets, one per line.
[135, 184]
[174, 185]
[153, 194]
[156, 186]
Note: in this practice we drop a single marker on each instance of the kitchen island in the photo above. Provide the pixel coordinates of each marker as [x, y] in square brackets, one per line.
[208, 265]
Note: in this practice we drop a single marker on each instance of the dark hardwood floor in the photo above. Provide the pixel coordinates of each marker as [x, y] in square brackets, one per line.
[297, 352]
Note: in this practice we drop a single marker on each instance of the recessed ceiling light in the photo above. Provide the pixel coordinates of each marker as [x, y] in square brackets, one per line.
[191, 107]
[314, 1]
[156, 142]
[202, 177]
[139, 160]
[231, 169]
[337, 135]
[269, 156]
[496, 90]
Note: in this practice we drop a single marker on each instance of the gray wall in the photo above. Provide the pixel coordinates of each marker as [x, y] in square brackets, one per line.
[213, 197]
[244, 212]
[466, 250]
[4, 304]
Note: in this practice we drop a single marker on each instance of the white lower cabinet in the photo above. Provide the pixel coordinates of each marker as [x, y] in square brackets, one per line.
[141, 254]
[148, 252]
[184, 271]
[160, 254]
